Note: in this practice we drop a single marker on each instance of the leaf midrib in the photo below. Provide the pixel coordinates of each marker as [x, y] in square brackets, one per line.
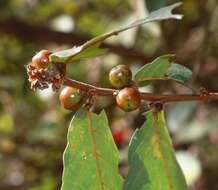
[95, 151]
[157, 127]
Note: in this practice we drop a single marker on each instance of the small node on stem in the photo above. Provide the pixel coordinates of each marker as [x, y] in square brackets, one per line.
[204, 94]
[89, 98]
[156, 106]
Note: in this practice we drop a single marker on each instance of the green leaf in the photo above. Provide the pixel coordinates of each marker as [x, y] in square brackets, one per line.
[162, 69]
[76, 53]
[156, 70]
[67, 56]
[151, 158]
[179, 73]
[90, 52]
[154, 5]
[91, 156]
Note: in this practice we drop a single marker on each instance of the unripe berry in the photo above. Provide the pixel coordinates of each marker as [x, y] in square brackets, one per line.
[70, 98]
[128, 99]
[41, 59]
[120, 76]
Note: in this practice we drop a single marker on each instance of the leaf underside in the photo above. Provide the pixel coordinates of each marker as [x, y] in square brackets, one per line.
[179, 73]
[151, 158]
[70, 55]
[91, 157]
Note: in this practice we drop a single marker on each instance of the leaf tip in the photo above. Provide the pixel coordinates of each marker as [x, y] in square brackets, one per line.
[176, 16]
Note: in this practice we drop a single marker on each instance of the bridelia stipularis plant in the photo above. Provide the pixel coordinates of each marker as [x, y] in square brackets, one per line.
[91, 157]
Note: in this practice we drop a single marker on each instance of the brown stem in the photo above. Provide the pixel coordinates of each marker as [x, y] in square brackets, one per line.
[202, 96]
[178, 98]
[88, 87]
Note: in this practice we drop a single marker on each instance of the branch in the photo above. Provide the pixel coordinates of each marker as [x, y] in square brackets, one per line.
[202, 96]
[41, 34]
[87, 87]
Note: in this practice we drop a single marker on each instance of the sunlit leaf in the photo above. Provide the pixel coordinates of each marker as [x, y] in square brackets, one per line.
[68, 56]
[151, 158]
[162, 69]
[77, 53]
[91, 157]
[156, 70]
[90, 52]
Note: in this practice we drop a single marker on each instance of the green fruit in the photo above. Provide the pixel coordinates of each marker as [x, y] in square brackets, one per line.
[41, 59]
[70, 98]
[128, 99]
[120, 76]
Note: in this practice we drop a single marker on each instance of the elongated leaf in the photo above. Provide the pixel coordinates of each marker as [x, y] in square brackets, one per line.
[90, 52]
[151, 158]
[78, 53]
[91, 157]
[179, 73]
[156, 70]
[70, 55]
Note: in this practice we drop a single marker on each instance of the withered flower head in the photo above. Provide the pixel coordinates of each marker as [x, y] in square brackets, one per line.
[41, 78]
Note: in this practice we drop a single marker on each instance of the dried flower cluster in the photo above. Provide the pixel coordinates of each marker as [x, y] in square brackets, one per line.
[41, 78]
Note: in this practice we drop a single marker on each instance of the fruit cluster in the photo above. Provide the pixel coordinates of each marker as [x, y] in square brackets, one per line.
[120, 77]
[128, 97]
[42, 72]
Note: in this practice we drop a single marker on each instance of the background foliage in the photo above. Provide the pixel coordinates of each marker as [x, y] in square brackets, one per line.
[33, 126]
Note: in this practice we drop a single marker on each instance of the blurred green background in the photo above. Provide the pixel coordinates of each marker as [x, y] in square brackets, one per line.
[33, 125]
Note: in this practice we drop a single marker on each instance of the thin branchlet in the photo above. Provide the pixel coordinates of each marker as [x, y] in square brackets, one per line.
[203, 95]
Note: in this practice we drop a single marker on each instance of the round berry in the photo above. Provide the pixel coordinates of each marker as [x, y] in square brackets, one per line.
[41, 59]
[120, 76]
[128, 99]
[70, 98]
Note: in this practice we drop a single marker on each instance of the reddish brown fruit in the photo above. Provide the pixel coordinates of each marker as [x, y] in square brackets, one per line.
[41, 59]
[70, 98]
[128, 99]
